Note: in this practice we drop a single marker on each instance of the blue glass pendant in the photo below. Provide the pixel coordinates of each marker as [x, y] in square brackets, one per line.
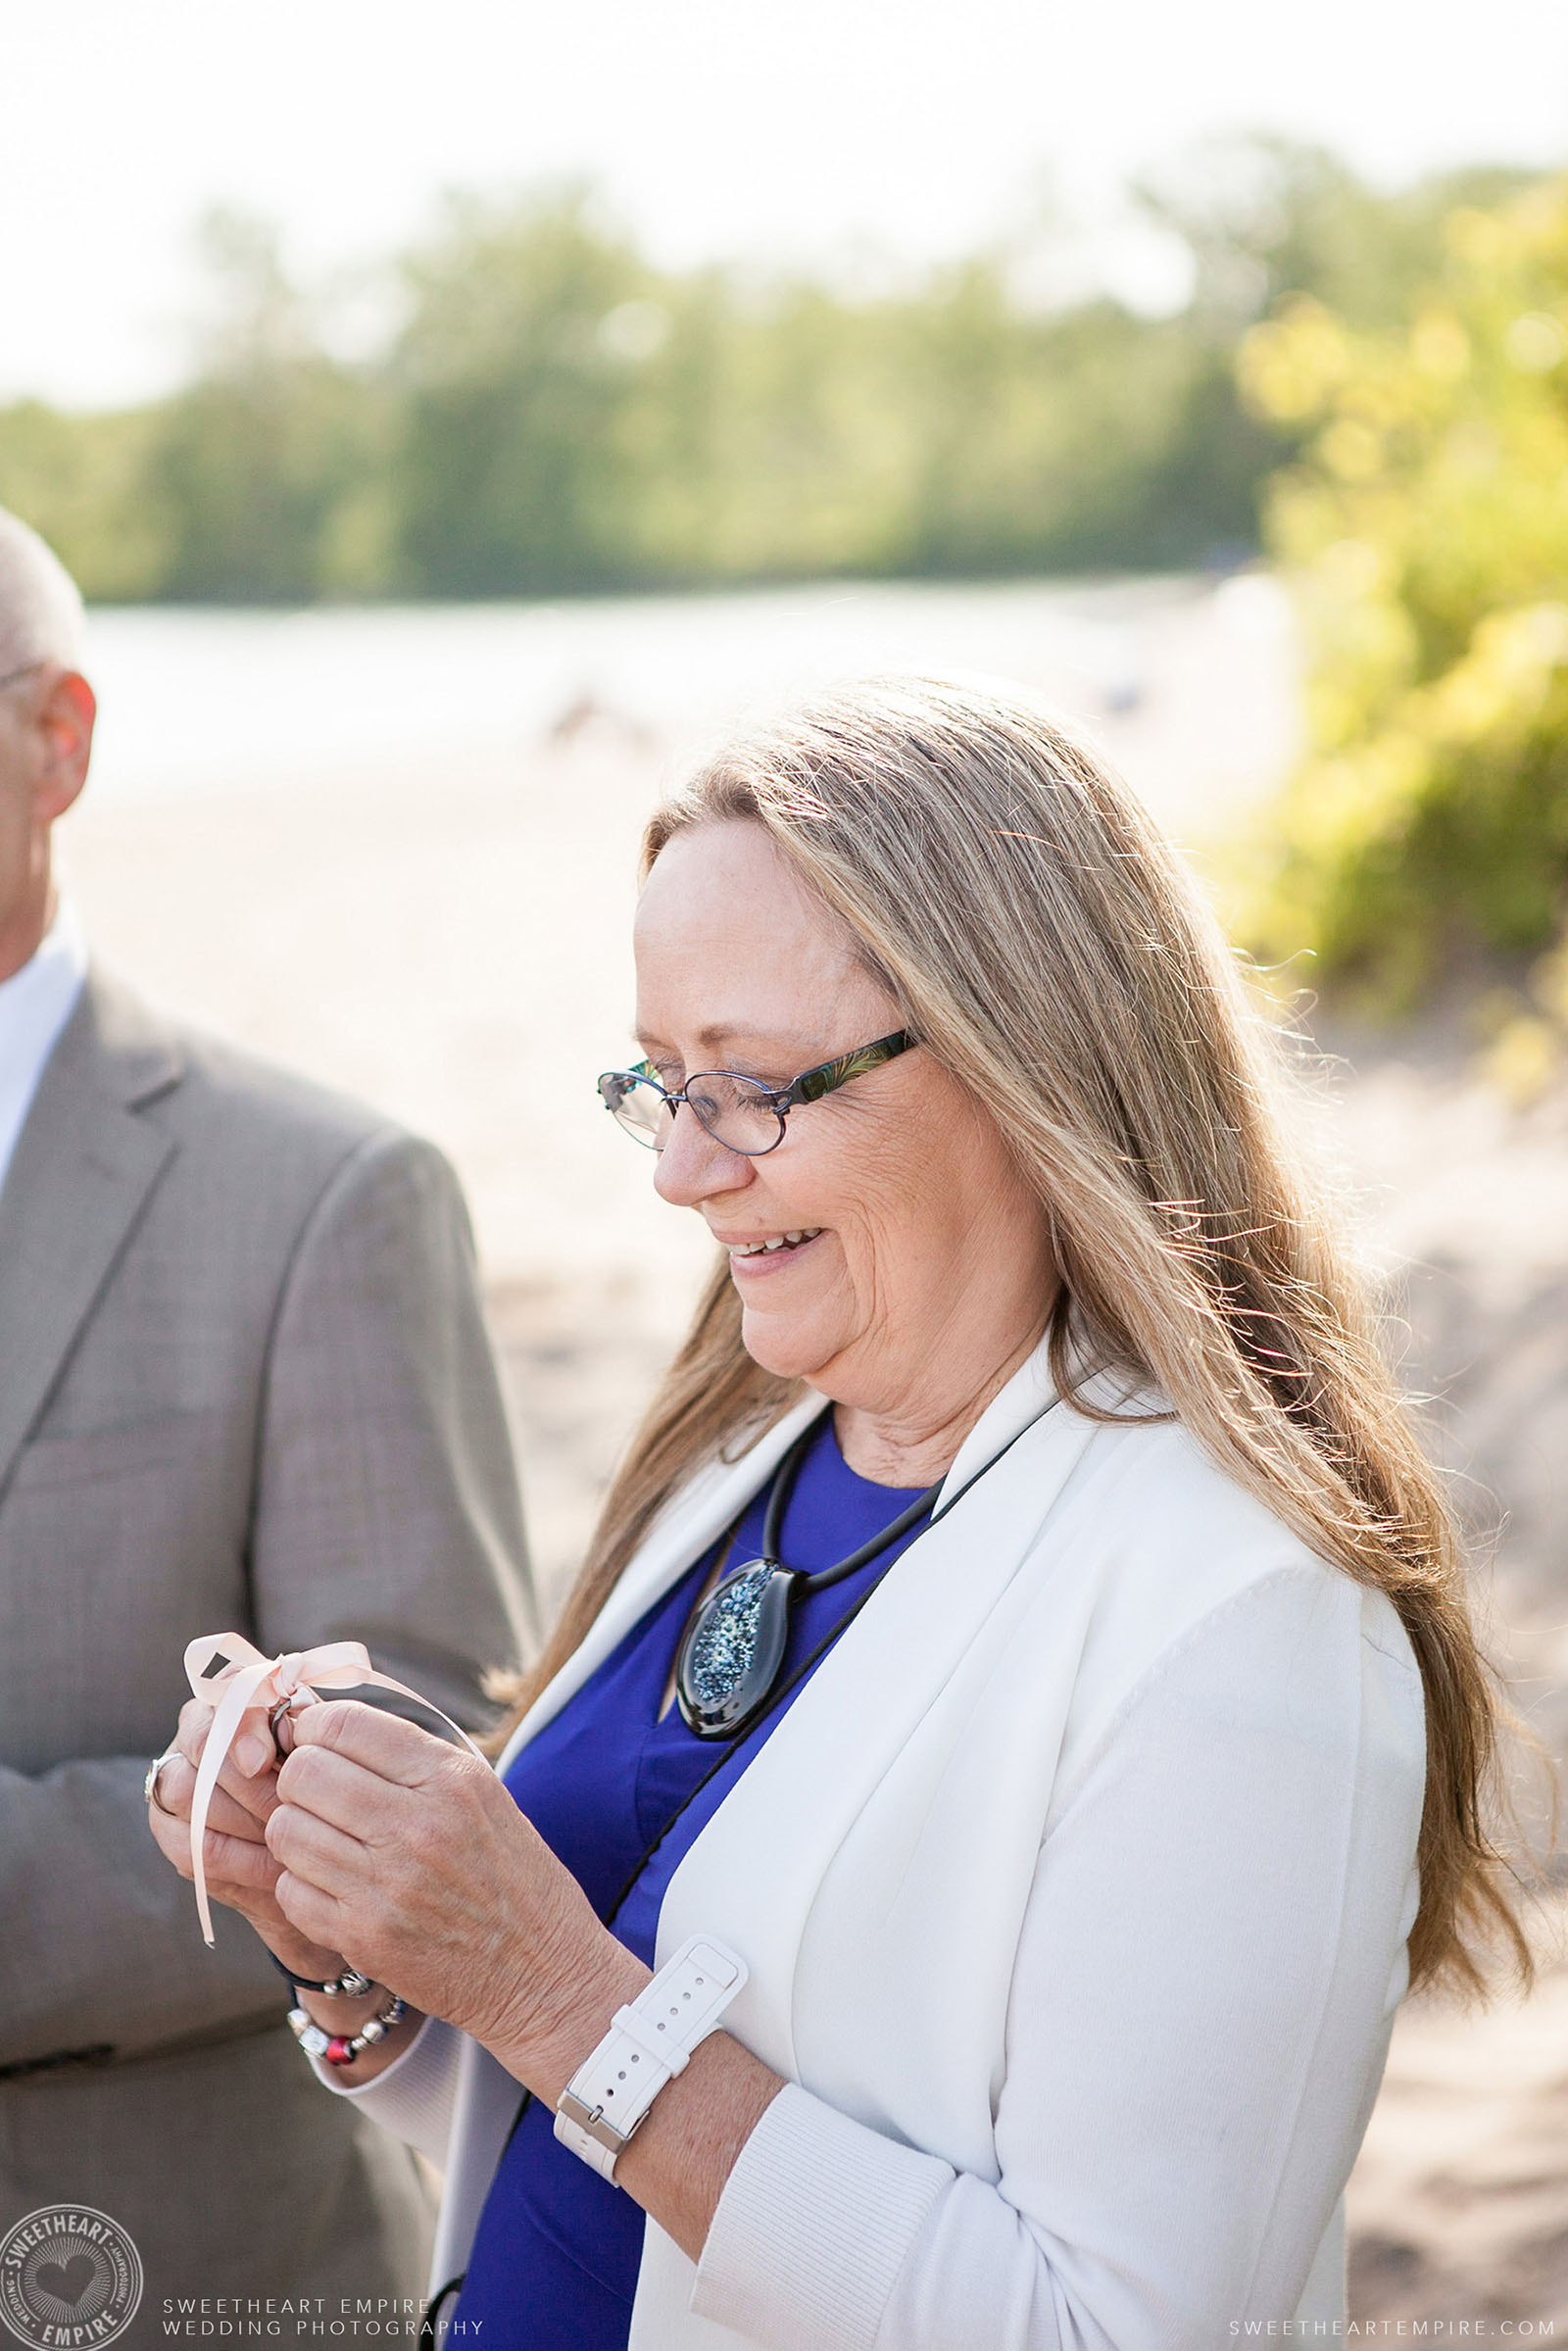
[730, 1657]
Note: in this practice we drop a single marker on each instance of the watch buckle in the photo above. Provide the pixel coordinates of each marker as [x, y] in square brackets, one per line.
[591, 2119]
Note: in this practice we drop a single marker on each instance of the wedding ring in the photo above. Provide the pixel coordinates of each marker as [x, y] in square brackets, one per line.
[149, 1786]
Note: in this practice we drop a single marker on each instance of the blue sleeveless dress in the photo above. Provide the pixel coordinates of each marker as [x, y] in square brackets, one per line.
[555, 2255]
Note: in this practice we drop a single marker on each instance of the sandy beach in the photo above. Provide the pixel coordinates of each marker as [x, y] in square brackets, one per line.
[436, 920]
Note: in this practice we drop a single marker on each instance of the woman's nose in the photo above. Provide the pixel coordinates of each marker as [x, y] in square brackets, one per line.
[692, 1167]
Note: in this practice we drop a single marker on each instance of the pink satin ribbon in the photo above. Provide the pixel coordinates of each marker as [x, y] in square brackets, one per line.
[246, 1682]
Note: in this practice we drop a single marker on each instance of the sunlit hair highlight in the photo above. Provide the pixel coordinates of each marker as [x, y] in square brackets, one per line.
[1049, 947]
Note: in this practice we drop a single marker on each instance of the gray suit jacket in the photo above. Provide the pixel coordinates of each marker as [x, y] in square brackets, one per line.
[244, 1383]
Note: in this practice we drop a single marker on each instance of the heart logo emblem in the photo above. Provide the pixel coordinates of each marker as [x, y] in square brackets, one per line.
[68, 2280]
[68, 2273]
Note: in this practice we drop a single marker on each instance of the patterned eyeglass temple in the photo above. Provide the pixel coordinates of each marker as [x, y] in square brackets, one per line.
[828, 1076]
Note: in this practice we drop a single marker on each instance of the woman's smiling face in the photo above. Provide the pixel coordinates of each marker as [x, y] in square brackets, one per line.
[888, 1251]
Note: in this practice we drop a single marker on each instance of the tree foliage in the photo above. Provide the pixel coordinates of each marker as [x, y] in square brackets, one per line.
[546, 412]
[1426, 522]
[511, 472]
[550, 413]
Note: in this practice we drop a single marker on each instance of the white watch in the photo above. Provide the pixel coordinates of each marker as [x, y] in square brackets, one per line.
[648, 2044]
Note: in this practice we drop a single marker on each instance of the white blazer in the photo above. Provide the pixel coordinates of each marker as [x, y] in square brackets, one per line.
[1074, 1888]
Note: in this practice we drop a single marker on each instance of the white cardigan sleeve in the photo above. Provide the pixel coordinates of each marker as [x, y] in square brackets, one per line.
[414, 2097]
[1205, 1979]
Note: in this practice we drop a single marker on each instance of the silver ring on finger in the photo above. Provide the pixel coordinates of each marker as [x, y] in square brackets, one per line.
[149, 1786]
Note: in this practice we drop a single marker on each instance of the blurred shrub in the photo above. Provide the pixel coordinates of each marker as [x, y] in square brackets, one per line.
[514, 375]
[572, 418]
[1426, 522]
[81, 481]
[264, 480]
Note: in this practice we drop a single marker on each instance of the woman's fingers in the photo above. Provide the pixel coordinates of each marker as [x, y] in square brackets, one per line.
[240, 1871]
[172, 1837]
[348, 1795]
[315, 1914]
[248, 1774]
[190, 1735]
[233, 1865]
[239, 1862]
[176, 1792]
[384, 1743]
[315, 1850]
[385, 1782]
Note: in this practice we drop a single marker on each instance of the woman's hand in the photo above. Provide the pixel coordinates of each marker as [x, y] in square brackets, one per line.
[407, 1856]
[410, 1857]
[240, 1871]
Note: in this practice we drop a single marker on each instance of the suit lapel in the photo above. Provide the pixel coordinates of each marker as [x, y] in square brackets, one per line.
[84, 1165]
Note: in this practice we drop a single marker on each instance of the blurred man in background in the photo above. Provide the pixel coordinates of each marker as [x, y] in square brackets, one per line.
[244, 1383]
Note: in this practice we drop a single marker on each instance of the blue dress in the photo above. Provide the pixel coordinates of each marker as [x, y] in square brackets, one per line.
[555, 2255]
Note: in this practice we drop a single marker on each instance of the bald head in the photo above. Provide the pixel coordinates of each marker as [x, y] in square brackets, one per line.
[46, 723]
[40, 604]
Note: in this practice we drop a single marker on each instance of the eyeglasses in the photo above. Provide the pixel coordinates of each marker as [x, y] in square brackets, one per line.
[740, 1112]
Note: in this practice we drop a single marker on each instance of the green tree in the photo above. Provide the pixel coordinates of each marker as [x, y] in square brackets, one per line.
[81, 481]
[266, 477]
[554, 415]
[512, 373]
[1426, 523]
[1266, 216]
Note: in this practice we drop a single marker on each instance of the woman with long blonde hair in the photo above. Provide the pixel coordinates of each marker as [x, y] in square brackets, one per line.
[1018, 1732]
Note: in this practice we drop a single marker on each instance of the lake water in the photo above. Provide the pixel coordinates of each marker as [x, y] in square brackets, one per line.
[1186, 681]
[395, 846]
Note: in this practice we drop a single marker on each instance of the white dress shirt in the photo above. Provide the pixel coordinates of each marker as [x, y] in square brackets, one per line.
[35, 1003]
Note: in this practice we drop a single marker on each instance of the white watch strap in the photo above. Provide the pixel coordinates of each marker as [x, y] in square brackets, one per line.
[648, 2044]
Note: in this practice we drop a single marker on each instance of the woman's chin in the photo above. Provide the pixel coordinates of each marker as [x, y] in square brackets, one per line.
[791, 1347]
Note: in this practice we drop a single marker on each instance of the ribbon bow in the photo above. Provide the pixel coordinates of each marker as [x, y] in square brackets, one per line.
[226, 1665]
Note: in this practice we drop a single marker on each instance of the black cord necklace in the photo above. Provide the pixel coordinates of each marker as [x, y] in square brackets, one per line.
[733, 1649]
[734, 1646]
[777, 1697]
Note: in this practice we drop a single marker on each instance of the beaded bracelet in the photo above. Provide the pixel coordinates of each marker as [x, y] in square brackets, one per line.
[342, 2048]
[350, 1985]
